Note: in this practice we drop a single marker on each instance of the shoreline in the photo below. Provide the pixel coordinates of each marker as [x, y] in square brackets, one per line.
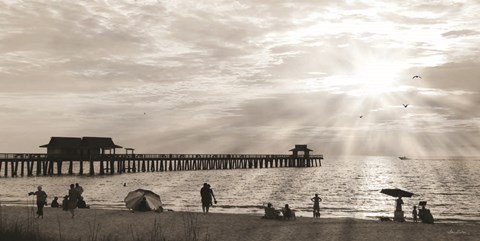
[259, 214]
[126, 225]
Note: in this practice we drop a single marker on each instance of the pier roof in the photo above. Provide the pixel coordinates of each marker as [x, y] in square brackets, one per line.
[77, 142]
[301, 148]
[101, 142]
[64, 142]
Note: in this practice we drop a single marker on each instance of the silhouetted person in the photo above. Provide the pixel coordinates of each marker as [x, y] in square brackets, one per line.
[143, 206]
[287, 212]
[41, 200]
[65, 203]
[211, 193]
[270, 212]
[425, 215]
[54, 203]
[81, 203]
[316, 206]
[399, 204]
[206, 195]
[73, 197]
[79, 189]
[414, 214]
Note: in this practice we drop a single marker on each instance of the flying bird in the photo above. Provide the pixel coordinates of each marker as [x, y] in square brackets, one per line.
[405, 105]
[416, 76]
[361, 116]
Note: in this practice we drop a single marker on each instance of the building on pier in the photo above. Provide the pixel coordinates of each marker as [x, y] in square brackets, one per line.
[301, 148]
[76, 146]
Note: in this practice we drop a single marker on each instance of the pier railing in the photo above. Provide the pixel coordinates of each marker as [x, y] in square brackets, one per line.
[29, 164]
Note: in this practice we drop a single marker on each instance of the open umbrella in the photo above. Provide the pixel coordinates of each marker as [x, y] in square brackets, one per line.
[134, 199]
[395, 192]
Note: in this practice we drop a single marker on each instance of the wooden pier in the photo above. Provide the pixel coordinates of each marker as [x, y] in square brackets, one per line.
[32, 164]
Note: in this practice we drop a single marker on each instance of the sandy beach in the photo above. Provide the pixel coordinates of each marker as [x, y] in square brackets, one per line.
[125, 225]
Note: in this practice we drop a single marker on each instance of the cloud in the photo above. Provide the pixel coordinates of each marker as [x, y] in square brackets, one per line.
[249, 76]
[461, 33]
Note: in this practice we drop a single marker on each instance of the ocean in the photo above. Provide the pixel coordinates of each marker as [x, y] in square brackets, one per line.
[349, 187]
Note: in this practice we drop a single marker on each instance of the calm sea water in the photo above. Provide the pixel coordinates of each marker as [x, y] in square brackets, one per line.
[349, 187]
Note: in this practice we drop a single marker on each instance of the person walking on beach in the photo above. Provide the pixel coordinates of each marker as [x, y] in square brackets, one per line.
[414, 214]
[41, 200]
[73, 197]
[206, 195]
[316, 206]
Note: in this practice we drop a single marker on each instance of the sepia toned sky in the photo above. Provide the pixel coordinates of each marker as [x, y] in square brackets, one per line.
[243, 76]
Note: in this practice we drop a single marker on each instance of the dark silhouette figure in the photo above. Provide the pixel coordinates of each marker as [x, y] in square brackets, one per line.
[270, 212]
[124, 184]
[73, 197]
[79, 189]
[54, 203]
[143, 206]
[65, 203]
[405, 105]
[414, 214]
[424, 214]
[41, 200]
[288, 213]
[213, 195]
[81, 203]
[316, 206]
[206, 195]
[399, 204]
[361, 116]
[416, 76]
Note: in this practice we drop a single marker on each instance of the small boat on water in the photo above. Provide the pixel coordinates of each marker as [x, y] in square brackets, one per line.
[403, 158]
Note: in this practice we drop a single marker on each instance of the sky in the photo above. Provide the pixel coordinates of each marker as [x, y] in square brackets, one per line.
[243, 76]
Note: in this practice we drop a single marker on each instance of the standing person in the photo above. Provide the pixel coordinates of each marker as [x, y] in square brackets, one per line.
[79, 189]
[41, 200]
[316, 206]
[206, 198]
[414, 214]
[211, 193]
[399, 204]
[73, 197]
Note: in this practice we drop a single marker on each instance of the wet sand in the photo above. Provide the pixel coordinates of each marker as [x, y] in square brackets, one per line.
[125, 225]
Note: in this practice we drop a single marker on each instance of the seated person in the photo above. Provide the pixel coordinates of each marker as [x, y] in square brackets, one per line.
[288, 213]
[54, 203]
[143, 206]
[81, 203]
[270, 212]
[65, 203]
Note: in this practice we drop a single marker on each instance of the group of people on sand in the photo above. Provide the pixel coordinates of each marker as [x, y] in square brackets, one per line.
[423, 214]
[70, 202]
[207, 195]
[287, 213]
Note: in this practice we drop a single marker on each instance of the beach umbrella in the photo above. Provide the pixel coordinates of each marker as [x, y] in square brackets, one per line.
[134, 198]
[395, 192]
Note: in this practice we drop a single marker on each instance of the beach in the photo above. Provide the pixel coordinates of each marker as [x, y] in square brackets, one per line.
[126, 225]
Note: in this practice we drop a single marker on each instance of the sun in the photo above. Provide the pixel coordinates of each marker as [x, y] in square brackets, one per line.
[370, 77]
[376, 77]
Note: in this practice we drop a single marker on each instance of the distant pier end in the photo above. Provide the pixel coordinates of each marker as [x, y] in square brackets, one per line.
[100, 154]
